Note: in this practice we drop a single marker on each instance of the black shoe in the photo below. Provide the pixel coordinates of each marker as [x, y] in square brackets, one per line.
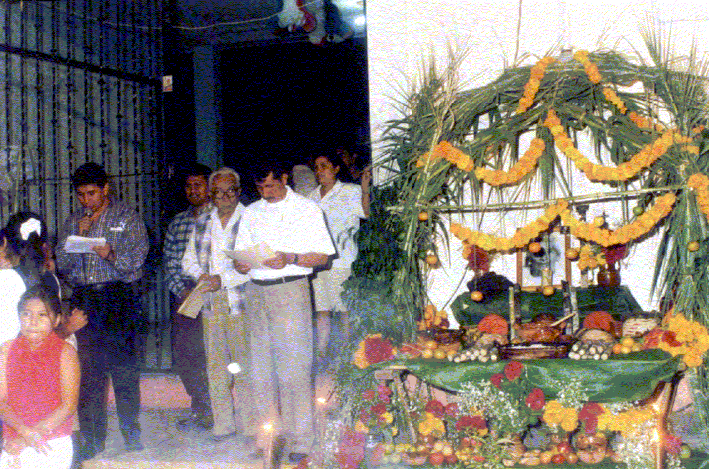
[296, 458]
[219, 438]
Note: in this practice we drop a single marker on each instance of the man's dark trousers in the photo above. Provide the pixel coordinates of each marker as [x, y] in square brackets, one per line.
[108, 347]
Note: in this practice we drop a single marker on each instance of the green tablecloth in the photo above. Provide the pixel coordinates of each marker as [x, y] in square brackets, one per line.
[616, 300]
[629, 378]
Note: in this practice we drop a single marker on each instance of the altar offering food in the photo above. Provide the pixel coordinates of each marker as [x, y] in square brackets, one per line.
[482, 354]
[595, 336]
[493, 324]
[636, 327]
[540, 329]
[598, 320]
[591, 351]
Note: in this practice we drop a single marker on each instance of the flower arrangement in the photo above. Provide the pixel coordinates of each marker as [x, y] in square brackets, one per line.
[523, 166]
[684, 337]
[373, 349]
[376, 413]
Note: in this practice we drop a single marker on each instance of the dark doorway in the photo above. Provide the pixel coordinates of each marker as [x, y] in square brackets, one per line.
[291, 101]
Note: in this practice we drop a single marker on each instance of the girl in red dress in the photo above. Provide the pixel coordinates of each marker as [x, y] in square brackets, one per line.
[39, 383]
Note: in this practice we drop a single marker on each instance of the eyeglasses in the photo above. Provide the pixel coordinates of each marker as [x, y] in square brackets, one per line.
[231, 193]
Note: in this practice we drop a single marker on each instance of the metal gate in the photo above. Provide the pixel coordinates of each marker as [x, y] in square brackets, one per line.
[79, 81]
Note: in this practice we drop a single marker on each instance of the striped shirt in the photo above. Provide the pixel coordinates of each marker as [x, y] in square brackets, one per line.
[178, 232]
[124, 231]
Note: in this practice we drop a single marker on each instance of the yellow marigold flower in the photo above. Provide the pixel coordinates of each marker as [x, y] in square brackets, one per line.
[569, 425]
[693, 359]
[361, 427]
[386, 417]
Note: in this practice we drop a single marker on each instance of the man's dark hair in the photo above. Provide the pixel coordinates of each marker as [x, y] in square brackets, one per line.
[263, 169]
[89, 173]
[196, 169]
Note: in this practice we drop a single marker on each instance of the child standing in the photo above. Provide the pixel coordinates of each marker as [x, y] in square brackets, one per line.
[39, 382]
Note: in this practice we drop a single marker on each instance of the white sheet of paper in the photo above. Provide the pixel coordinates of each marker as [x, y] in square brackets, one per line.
[82, 245]
[253, 256]
[193, 303]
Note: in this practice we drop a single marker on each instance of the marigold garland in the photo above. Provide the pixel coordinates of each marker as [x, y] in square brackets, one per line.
[521, 238]
[556, 414]
[497, 177]
[639, 227]
[588, 259]
[624, 171]
[591, 69]
[700, 184]
[532, 86]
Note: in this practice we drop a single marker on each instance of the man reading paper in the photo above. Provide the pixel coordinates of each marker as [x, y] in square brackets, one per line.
[278, 303]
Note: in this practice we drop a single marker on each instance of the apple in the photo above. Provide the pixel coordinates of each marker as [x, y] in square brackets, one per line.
[545, 457]
[564, 447]
[451, 459]
[558, 459]
[436, 459]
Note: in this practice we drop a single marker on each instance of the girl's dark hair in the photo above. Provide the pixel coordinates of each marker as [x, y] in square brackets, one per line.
[26, 242]
[45, 295]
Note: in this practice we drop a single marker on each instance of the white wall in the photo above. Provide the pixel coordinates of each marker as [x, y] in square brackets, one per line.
[404, 34]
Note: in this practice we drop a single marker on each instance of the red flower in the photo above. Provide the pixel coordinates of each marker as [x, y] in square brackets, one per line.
[452, 409]
[350, 453]
[497, 379]
[671, 338]
[385, 399]
[378, 409]
[436, 408]
[589, 416]
[377, 350]
[672, 443]
[614, 253]
[535, 400]
[369, 394]
[468, 423]
[384, 390]
[513, 370]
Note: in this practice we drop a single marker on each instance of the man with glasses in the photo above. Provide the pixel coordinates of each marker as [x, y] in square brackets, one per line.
[224, 328]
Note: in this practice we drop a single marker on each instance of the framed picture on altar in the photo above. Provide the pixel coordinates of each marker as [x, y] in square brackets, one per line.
[547, 266]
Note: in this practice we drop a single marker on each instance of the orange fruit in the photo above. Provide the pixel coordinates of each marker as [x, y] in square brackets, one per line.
[548, 290]
[423, 216]
[599, 221]
[432, 260]
[693, 246]
[572, 254]
[534, 247]
[476, 295]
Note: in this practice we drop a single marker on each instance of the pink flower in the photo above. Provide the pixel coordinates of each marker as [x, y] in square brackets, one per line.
[436, 408]
[513, 370]
[468, 423]
[497, 379]
[535, 399]
[384, 390]
[377, 350]
[378, 409]
[350, 453]
[452, 409]
[672, 443]
[588, 415]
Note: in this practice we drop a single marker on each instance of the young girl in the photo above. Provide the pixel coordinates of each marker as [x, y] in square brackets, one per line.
[39, 387]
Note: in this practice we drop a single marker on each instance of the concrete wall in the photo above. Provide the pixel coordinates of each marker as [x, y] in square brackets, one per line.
[404, 34]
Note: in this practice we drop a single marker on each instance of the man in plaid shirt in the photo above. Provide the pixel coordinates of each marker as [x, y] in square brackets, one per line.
[103, 283]
[187, 333]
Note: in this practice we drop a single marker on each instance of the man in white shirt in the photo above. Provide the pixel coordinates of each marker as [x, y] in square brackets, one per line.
[278, 302]
[225, 334]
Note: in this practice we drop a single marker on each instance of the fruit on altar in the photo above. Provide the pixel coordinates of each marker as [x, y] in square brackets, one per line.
[493, 324]
[436, 459]
[599, 221]
[591, 449]
[572, 254]
[595, 336]
[626, 345]
[598, 320]
[440, 354]
[572, 458]
[482, 354]
[545, 457]
[693, 246]
[423, 216]
[534, 247]
[558, 459]
[590, 351]
[432, 260]
[491, 339]
[548, 290]
[638, 210]
[476, 296]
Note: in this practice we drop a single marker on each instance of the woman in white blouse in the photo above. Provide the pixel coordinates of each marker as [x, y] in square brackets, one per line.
[344, 205]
